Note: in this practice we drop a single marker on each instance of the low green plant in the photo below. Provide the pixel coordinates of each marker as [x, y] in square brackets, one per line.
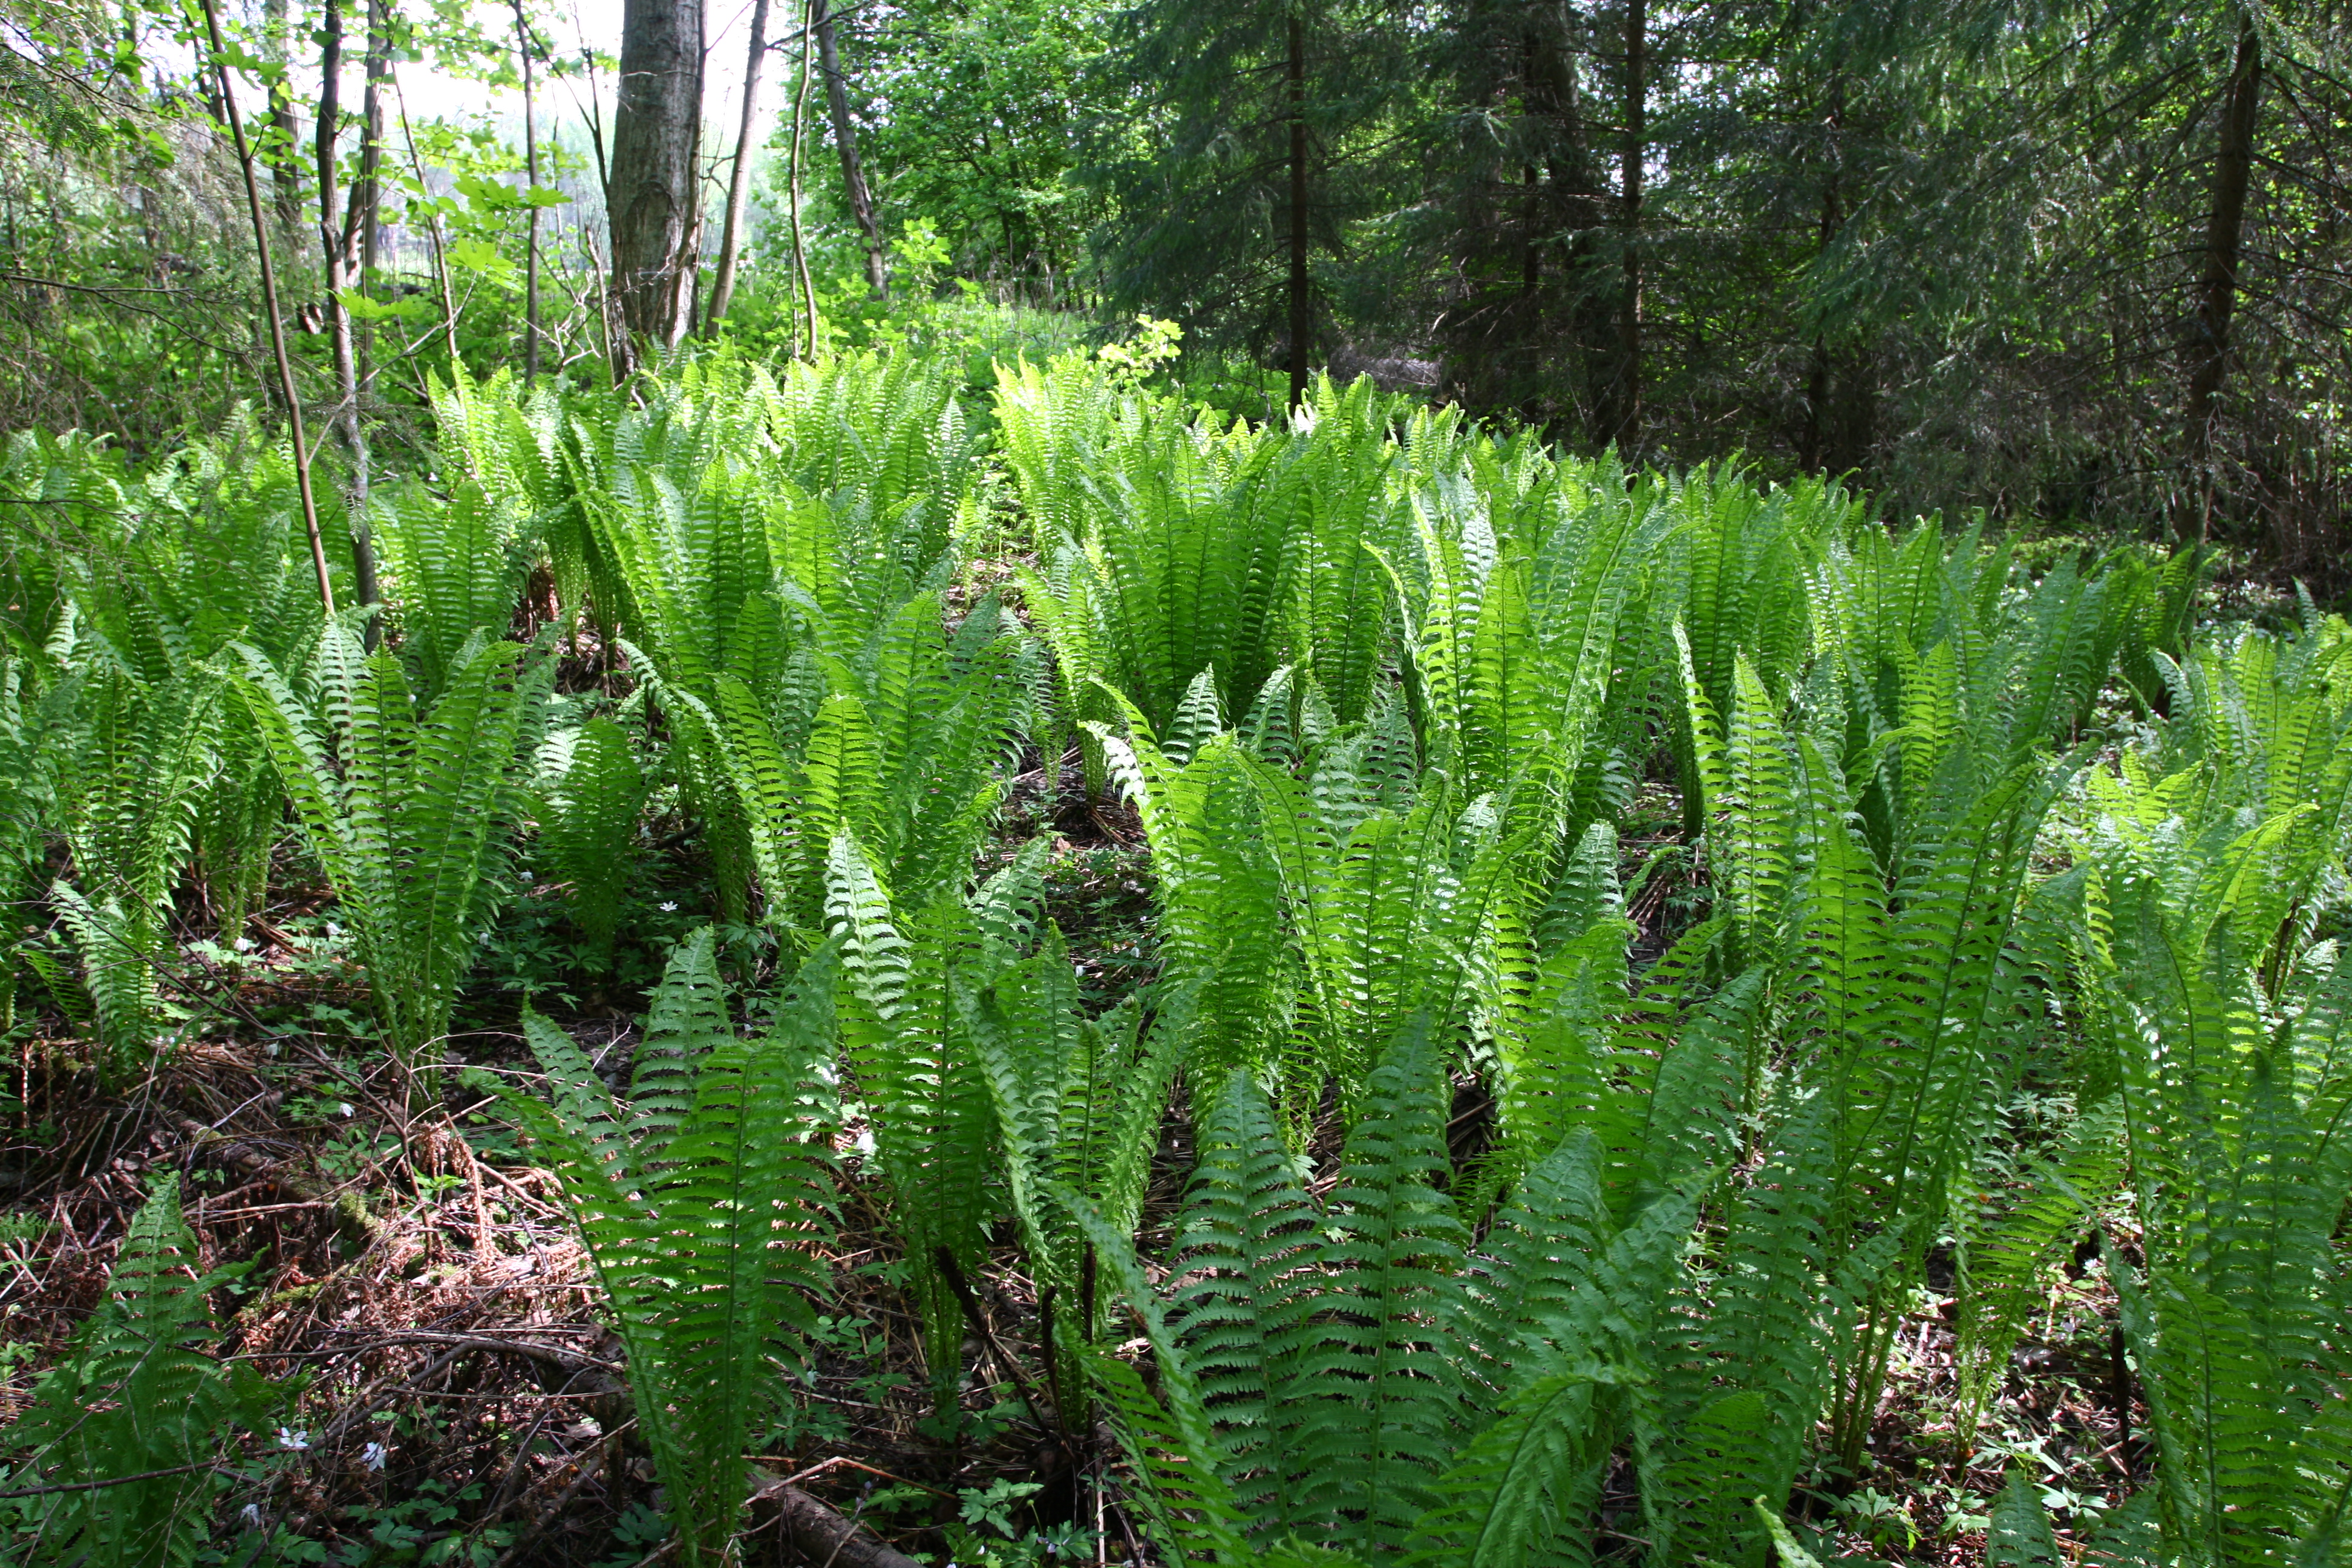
[408, 806]
[136, 1407]
[701, 1197]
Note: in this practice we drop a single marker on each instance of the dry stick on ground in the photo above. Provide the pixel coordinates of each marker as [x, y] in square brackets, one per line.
[821, 1533]
[979, 1320]
[270, 297]
[114, 1480]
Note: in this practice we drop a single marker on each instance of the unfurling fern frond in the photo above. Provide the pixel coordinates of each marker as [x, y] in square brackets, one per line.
[702, 1200]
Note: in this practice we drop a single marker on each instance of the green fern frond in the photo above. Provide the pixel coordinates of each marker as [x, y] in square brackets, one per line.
[701, 1201]
[135, 1395]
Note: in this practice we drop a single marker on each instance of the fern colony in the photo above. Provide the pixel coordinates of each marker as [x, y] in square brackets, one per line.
[1541, 1195]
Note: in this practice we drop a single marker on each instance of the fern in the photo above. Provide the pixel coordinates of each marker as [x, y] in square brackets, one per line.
[702, 1200]
[588, 829]
[407, 806]
[907, 1025]
[2005, 1256]
[1079, 1103]
[135, 1394]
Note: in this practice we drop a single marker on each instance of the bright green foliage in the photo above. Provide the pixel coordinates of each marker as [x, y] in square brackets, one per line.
[1168, 547]
[588, 826]
[454, 570]
[1078, 1104]
[2007, 1251]
[1354, 1372]
[772, 543]
[408, 806]
[2234, 1115]
[1220, 893]
[908, 1016]
[1525, 1179]
[895, 738]
[1744, 558]
[700, 1197]
[136, 1394]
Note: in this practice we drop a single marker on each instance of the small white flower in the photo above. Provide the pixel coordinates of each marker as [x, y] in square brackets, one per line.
[373, 1456]
[669, 908]
[333, 930]
[251, 1515]
[243, 944]
[344, 1108]
[292, 1441]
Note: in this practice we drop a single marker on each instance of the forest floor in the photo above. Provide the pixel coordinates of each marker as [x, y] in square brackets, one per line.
[460, 1401]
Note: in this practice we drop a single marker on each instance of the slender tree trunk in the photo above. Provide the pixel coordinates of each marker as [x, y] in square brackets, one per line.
[1813, 447]
[1629, 329]
[800, 248]
[2216, 287]
[1301, 305]
[531, 234]
[739, 178]
[286, 138]
[657, 145]
[433, 237]
[845, 138]
[286, 389]
[335, 240]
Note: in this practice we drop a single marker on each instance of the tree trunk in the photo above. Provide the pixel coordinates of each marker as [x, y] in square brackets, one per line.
[2217, 288]
[1629, 329]
[1813, 443]
[531, 236]
[433, 236]
[656, 142]
[845, 138]
[739, 179]
[333, 239]
[1301, 306]
[286, 131]
[800, 245]
[279, 356]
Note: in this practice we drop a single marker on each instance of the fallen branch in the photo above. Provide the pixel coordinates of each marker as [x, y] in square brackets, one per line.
[821, 1534]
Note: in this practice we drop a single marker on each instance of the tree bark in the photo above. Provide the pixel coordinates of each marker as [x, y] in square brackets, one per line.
[845, 138]
[1301, 305]
[739, 179]
[656, 141]
[333, 239]
[2216, 287]
[530, 235]
[284, 362]
[286, 139]
[1629, 329]
[821, 1534]
[800, 245]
